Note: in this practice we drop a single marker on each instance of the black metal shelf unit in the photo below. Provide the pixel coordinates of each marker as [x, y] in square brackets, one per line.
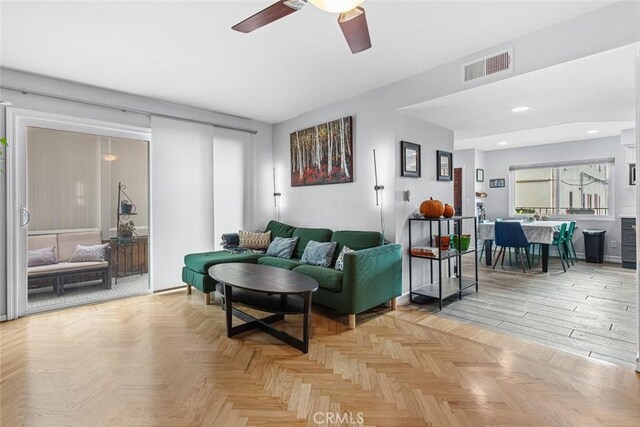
[452, 284]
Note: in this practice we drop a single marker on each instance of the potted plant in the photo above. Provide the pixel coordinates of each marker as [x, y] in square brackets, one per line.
[3, 145]
[126, 231]
[126, 207]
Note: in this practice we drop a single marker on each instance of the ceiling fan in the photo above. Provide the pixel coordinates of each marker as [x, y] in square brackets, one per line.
[352, 19]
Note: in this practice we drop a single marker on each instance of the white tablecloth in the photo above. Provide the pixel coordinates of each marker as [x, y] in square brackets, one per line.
[536, 232]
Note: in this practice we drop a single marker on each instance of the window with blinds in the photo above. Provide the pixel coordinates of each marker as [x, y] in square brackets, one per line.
[572, 188]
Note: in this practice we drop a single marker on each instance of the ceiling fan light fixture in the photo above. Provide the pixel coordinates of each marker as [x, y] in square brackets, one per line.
[336, 6]
[353, 13]
[295, 4]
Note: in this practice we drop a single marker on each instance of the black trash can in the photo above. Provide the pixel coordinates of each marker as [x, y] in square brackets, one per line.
[594, 245]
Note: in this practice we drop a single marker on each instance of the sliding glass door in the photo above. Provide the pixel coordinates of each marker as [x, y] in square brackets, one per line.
[82, 191]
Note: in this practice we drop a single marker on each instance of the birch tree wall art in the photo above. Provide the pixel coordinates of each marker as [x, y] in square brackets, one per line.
[322, 154]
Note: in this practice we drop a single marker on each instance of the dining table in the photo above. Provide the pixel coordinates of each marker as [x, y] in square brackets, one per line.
[540, 232]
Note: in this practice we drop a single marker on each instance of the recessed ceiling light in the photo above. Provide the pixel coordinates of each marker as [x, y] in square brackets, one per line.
[520, 109]
[592, 131]
[502, 143]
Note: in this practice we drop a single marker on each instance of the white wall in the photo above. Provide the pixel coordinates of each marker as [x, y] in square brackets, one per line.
[261, 147]
[430, 138]
[497, 166]
[233, 180]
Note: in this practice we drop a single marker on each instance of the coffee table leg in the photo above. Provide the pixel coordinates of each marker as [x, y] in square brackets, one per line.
[228, 310]
[306, 328]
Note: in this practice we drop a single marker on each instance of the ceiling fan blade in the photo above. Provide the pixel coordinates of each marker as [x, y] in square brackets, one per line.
[267, 16]
[355, 29]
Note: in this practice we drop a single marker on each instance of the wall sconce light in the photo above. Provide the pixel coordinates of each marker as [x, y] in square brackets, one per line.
[376, 187]
[276, 194]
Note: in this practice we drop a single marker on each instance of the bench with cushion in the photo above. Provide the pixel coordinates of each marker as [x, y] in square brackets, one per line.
[63, 271]
[372, 275]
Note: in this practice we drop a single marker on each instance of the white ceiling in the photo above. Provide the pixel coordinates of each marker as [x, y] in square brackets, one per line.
[545, 135]
[596, 92]
[186, 52]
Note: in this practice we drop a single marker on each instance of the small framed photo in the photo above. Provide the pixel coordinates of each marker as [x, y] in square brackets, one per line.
[410, 155]
[479, 175]
[444, 165]
[497, 183]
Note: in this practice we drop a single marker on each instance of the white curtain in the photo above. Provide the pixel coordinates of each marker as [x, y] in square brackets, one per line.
[181, 196]
[233, 181]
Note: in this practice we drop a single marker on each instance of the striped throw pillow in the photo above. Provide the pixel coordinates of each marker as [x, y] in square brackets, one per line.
[251, 240]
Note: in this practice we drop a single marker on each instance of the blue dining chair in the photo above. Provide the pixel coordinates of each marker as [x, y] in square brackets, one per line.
[510, 235]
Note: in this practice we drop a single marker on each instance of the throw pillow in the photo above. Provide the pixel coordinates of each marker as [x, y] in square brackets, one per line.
[44, 256]
[317, 253]
[251, 240]
[95, 253]
[340, 261]
[282, 247]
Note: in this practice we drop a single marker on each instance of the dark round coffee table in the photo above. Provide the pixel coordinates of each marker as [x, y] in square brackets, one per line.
[265, 288]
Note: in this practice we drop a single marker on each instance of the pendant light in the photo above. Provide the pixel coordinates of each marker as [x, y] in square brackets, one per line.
[108, 157]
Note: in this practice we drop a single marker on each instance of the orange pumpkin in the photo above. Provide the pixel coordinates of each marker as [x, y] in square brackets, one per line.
[448, 211]
[432, 208]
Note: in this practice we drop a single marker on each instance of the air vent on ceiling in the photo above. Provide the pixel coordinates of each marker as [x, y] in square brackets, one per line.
[488, 65]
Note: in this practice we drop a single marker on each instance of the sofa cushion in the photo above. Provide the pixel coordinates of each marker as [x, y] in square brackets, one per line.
[201, 262]
[67, 242]
[65, 267]
[43, 256]
[279, 229]
[356, 240]
[319, 254]
[94, 253]
[43, 241]
[305, 235]
[282, 247]
[202, 282]
[289, 264]
[340, 260]
[251, 240]
[327, 278]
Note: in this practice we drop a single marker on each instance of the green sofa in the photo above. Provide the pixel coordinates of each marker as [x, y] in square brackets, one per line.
[371, 276]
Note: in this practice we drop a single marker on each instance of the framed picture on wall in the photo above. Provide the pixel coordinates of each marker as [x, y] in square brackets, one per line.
[497, 183]
[322, 154]
[410, 155]
[479, 175]
[444, 165]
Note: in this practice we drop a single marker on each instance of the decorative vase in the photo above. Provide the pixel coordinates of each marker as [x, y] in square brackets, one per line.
[442, 242]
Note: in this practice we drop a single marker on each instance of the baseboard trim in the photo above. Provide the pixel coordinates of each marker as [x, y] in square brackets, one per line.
[607, 258]
[403, 299]
[3, 317]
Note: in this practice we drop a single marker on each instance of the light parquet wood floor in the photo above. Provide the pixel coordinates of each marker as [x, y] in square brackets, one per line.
[165, 360]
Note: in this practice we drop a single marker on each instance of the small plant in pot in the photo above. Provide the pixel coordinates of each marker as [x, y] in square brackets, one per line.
[126, 207]
[126, 231]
